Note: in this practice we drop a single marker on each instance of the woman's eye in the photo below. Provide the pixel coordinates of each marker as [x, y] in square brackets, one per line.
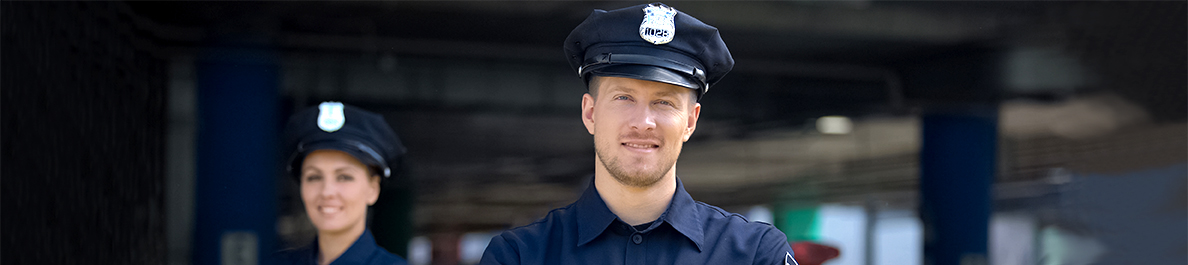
[345, 178]
[313, 178]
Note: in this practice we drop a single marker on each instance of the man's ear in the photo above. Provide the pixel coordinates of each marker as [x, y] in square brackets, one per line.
[588, 112]
[694, 113]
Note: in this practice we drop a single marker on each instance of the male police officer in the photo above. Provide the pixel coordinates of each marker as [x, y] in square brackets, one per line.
[646, 67]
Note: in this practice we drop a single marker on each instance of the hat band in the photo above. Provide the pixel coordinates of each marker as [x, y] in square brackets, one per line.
[362, 147]
[609, 58]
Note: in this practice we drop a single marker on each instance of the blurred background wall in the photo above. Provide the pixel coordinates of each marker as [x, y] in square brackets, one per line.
[83, 106]
[896, 132]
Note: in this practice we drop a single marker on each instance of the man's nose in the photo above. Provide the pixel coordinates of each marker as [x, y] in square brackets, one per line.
[643, 118]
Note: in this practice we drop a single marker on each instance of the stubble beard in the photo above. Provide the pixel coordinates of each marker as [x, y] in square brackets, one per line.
[640, 178]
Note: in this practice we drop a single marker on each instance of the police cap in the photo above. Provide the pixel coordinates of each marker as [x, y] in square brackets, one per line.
[652, 42]
[333, 125]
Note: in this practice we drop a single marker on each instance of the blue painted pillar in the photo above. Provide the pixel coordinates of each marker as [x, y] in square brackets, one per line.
[957, 162]
[238, 128]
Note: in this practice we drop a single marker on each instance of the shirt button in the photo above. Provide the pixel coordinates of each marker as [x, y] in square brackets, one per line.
[637, 239]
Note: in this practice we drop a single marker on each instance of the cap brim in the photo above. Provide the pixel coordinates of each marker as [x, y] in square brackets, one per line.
[649, 73]
[363, 157]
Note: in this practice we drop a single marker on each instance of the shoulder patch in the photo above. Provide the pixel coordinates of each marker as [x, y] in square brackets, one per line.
[788, 260]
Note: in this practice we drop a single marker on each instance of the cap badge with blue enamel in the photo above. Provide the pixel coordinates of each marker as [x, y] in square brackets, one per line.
[330, 117]
[657, 26]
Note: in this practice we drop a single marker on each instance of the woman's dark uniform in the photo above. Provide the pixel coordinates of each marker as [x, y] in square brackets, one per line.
[367, 138]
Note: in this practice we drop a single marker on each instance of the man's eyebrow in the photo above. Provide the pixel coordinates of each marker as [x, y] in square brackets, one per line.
[666, 93]
[620, 89]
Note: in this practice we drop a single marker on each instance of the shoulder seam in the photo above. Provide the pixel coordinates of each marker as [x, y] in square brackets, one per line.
[542, 219]
[724, 213]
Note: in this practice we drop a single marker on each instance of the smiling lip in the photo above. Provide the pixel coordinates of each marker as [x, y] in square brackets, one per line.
[329, 209]
[641, 145]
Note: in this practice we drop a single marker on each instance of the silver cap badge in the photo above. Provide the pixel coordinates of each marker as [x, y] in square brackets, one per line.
[657, 26]
[330, 117]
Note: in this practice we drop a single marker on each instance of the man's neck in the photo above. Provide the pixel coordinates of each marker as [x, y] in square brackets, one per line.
[332, 245]
[635, 205]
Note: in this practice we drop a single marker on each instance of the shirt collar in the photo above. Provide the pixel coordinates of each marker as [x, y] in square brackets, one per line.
[593, 216]
[684, 215]
[359, 251]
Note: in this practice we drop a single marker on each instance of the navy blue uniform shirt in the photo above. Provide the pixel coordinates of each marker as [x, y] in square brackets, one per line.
[363, 251]
[688, 232]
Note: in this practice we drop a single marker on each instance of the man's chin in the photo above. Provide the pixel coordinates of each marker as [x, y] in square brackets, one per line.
[638, 172]
[636, 181]
[638, 178]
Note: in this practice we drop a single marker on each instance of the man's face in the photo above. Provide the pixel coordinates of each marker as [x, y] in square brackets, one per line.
[639, 127]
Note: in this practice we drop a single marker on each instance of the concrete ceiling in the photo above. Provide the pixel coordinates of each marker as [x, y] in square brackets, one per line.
[797, 60]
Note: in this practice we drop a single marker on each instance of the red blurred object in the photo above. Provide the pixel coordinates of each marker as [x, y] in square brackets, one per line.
[809, 253]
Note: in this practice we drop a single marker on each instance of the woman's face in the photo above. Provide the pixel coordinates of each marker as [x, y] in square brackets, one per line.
[336, 189]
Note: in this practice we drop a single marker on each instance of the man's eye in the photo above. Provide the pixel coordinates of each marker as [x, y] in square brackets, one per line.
[665, 102]
[622, 98]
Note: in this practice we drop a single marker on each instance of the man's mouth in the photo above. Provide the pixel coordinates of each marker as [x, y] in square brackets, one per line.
[641, 145]
[638, 145]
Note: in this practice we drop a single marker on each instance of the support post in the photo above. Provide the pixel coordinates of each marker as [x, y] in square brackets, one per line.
[957, 162]
[238, 124]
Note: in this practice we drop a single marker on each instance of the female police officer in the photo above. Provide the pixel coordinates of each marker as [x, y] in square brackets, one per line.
[339, 156]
